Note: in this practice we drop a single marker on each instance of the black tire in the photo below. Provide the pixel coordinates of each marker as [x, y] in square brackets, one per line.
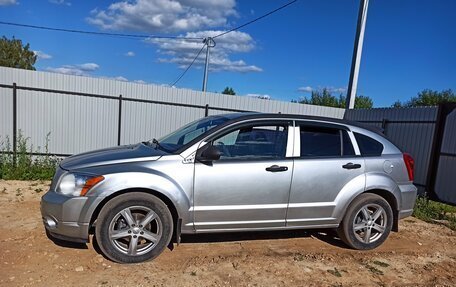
[138, 204]
[355, 219]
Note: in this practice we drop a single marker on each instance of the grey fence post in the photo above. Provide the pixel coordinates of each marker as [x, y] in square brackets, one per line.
[119, 126]
[14, 123]
[206, 110]
[384, 123]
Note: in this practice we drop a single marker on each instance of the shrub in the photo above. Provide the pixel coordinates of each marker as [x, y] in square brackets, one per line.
[27, 165]
[435, 212]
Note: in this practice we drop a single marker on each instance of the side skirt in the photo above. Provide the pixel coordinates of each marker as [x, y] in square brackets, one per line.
[261, 229]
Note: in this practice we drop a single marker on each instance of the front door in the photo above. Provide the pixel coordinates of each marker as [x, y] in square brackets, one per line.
[248, 187]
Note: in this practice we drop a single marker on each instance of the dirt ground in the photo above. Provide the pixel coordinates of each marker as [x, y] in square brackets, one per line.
[421, 254]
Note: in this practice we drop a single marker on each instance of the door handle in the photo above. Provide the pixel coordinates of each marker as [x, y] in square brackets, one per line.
[351, 165]
[276, 168]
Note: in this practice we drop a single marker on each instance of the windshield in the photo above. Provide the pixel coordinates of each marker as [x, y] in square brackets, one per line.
[187, 133]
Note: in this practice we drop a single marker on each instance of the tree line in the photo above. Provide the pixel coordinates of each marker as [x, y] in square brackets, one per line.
[424, 98]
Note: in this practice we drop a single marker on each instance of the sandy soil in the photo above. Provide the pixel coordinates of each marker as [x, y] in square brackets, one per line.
[421, 254]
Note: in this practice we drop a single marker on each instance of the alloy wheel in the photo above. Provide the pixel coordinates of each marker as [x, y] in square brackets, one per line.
[370, 223]
[135, 230]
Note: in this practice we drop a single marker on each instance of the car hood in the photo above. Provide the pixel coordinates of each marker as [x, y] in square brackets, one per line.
[114, 155]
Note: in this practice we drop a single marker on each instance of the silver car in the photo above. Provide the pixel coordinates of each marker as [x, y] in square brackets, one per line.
[233, 172]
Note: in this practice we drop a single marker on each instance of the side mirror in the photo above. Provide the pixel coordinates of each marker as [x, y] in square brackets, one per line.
[208, 153]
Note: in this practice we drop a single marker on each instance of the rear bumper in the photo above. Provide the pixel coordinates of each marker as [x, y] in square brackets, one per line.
[66, 217]
[408, 198]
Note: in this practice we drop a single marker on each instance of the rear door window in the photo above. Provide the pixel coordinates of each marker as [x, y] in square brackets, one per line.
[325, 142]
[318, 142]
[347, 145]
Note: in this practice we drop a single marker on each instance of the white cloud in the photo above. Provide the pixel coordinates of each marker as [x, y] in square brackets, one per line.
[89, 67]
[337, 90]
[182, 51]
[86, 70]
[163, 16]
[8, 2]
[118, 78]
[130, 54]
[60, 2]
[42, 56]
[309, 89]
[78, 70]
[259, 96]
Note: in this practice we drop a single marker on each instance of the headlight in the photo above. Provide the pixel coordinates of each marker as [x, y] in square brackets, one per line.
[77, 184]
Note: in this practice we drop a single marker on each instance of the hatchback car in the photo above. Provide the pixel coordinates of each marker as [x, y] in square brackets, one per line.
[233, 172]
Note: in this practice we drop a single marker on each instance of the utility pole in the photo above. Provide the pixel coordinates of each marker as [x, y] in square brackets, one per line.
[210, 43]
[357, 50]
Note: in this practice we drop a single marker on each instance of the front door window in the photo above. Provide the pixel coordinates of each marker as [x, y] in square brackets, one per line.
[253, 142]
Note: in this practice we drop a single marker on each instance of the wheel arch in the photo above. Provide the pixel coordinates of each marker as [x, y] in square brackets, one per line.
[376, 183]
[392, 201]
[169, 203]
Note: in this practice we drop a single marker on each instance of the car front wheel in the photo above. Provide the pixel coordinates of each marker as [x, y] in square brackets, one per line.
[134, 227]
[367, 222]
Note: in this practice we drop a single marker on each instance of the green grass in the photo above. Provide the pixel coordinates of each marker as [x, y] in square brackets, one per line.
[26, 166]
[435, 212]
[380, 263]
[334, 272]
[374, 270]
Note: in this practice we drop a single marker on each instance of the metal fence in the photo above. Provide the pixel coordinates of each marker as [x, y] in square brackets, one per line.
[429, 135]
[443, 165]
[83, 113]
[411, 129]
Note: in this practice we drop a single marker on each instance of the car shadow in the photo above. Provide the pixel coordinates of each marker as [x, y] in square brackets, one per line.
[327, 236]
[330, 237]
[66, 244]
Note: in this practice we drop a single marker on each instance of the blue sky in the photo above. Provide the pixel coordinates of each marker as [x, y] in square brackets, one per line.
[409, 45]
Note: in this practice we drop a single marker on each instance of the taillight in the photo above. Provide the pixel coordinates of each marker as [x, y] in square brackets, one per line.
[410, 164]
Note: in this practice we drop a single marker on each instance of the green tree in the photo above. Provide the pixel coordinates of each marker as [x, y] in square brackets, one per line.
[321, 98]
[229, 91]
[428, 98]
[325, 98]
[361, 102]
[397, 104]
[13, 54]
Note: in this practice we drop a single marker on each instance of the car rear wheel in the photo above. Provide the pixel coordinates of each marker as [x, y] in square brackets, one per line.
[134, 227]
[367, 222]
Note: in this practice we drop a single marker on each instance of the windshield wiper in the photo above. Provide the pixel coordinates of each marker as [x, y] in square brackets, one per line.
[157, 145]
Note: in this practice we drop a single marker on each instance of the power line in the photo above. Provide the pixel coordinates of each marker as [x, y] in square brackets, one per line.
[197, 55]
[256, 19]
[97, 33]
[229, 31]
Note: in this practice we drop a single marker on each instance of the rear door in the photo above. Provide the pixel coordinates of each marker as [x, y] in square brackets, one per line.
[327, 162]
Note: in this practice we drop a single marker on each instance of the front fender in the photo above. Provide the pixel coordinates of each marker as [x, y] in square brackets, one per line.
[153, 180]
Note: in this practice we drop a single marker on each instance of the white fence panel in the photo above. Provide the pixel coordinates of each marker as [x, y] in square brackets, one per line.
[80, 123]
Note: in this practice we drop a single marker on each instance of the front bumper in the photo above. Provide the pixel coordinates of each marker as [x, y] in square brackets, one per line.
[67, 218]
